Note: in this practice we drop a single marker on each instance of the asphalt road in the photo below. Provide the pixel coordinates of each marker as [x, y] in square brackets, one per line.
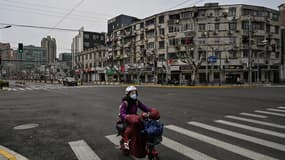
[70, 114]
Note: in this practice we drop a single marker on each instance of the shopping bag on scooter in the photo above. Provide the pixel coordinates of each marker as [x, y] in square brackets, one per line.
[153, 128]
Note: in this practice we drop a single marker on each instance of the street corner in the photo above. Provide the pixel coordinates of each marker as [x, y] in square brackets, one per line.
[6, 155]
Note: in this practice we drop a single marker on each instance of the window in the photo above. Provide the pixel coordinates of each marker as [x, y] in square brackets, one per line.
[276, 29]
[245, 53]
[172, 42]
[150, 22]
[232, 26]
[187, 27]
[258, 26]
[150, 34]
[86, 36]
[161, 44]
[202, 27]
[232, 12]
[188, 14]
[150, 45]
[174, 28]
[142, 25]
[275, 17]
[161, 31]
[161, 19]
[217, 26]
[245, 25]
[86, 44]
[267, 28]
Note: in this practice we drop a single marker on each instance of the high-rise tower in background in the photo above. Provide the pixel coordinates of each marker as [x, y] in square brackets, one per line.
[50, 44]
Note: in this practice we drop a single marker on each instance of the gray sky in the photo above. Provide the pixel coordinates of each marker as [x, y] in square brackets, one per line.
[92, 14]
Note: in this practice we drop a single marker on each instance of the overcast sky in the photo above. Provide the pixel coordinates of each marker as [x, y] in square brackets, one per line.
[91, 14]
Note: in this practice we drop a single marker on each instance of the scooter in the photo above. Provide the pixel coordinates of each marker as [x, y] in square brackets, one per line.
[145, 136]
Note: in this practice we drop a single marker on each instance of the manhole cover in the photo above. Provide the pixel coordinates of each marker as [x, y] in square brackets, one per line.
[26, 126]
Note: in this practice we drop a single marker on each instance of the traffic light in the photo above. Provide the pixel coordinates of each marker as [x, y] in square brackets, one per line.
[20, 48]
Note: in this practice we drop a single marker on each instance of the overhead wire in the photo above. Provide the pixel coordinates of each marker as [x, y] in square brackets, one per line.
[15, 2]
[54, 13]
[67, 14]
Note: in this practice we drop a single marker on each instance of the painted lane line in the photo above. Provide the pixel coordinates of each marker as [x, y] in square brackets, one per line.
[180, 148]
[253, 115]
[264, 131]
[83, 151]
[271, 113]
[226, 146]
[276, 110]
[11, 154]
[240, 136]
[257, 122]
[116, 141]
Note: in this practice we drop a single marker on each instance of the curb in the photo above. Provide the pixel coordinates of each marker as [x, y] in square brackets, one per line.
[7, 155]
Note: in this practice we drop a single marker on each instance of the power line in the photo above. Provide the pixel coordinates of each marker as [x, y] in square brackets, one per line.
[54, 13]
[53, 7]
[77, 5]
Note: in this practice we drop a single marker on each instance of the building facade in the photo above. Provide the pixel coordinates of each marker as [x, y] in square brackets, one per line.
[234, 41]
[213, 43]
[7, 61]
[282, 22]
[31, 61]
[83, 62]
[50, 45]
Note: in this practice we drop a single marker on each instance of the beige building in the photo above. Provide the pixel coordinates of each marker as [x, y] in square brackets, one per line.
[50, 44]
[238, 41]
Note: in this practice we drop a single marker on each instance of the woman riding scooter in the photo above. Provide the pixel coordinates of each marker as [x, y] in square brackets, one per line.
[128, 114]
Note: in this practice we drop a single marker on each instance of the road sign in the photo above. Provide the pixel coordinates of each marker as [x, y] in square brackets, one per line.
[212, 59]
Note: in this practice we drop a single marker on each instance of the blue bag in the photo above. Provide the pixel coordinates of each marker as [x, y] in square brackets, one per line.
[153, 128]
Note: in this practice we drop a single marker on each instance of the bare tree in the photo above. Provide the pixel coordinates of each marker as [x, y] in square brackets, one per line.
[189, 58]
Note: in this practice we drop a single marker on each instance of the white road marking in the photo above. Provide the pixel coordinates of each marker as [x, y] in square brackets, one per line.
[184, 150]
[253, 115]
[264, 131]
[271, 113]
[276, 110]
[227, 146]
[281, 107]
[240, 136]
[257, 122]
[83, 151]
[180, 148]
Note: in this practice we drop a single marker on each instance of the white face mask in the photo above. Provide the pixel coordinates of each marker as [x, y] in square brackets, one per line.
[133, 96]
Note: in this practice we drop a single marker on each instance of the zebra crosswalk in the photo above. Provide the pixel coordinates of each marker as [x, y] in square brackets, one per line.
[241, 127]
[52, 87]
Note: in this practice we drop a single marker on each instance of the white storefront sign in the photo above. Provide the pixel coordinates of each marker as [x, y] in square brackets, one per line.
[175, 68]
